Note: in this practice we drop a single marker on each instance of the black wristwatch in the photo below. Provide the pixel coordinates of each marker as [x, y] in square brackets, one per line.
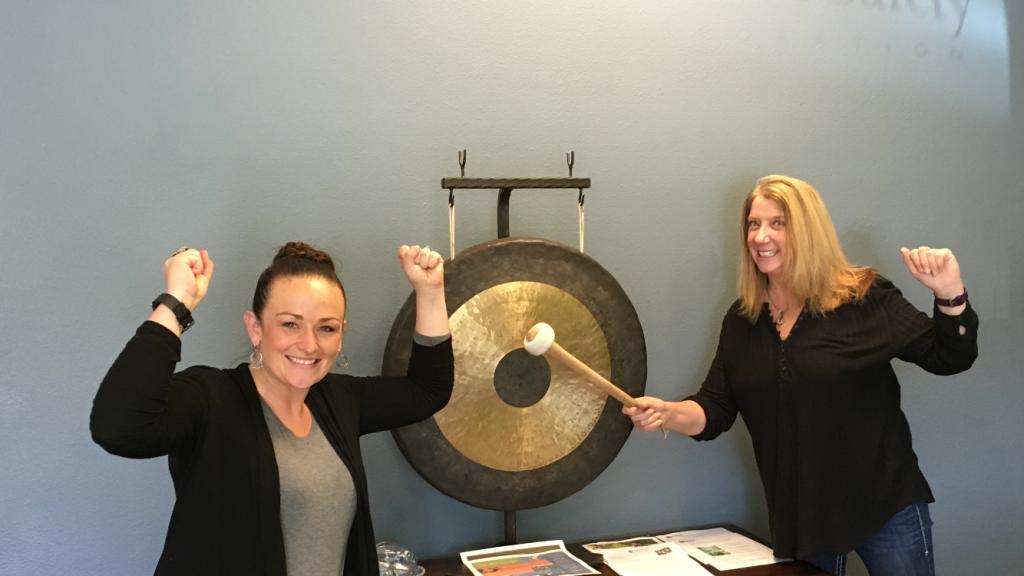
[181, 312]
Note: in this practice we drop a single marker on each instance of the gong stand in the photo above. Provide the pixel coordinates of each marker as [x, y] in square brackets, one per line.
[505, 187]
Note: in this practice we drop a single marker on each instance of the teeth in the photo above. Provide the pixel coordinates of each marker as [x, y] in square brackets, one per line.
[768, 254]
[299, 361]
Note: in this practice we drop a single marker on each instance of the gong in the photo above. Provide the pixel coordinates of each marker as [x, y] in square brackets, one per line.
[520, 432]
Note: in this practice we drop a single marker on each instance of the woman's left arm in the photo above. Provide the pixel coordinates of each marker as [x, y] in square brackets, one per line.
[387, 402]
[425, 271]
[391, 402]
[951, 344]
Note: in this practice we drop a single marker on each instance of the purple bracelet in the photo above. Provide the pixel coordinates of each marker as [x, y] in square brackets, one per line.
[953, 302]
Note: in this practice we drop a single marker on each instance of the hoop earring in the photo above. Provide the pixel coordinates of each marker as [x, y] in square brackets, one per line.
[338, 361]
[253, 363]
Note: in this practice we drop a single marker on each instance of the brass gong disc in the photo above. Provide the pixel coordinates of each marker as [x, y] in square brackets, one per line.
[532, 414]
[520, 432]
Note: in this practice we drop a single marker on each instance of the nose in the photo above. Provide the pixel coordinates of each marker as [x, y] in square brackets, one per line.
[307, 341]
[762, 235]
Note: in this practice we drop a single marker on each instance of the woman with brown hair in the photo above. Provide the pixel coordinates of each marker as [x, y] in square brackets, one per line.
[804, 355]
[268, 475]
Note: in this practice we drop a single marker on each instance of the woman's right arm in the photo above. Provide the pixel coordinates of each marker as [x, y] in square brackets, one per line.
[704, 415]
[652, 413]
[142, 409]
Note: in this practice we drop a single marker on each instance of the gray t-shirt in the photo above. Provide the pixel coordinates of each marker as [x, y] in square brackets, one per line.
[318, 499]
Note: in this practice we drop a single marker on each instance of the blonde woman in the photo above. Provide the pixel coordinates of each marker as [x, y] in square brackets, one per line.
[804, 356]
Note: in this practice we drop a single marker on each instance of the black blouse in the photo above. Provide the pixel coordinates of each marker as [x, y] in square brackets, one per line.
[832, 445]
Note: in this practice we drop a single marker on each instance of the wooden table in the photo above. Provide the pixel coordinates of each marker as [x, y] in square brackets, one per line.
[452, 565]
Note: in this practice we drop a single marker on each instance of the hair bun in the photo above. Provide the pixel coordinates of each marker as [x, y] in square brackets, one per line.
[306, 252]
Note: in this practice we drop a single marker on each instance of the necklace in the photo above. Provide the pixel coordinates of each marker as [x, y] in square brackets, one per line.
[782, 313]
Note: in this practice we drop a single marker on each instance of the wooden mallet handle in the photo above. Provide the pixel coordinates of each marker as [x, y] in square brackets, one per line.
[540, 340]
[553, 350]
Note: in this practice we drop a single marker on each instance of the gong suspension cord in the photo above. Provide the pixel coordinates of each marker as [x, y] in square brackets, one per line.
[451, 223]
[581, 219]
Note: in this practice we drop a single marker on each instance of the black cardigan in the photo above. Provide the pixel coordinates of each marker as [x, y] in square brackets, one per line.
[832, 444]
[209, 422]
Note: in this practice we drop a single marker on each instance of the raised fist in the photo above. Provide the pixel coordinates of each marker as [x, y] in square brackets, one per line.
[423, 268]
[936, 268]
[188, 275]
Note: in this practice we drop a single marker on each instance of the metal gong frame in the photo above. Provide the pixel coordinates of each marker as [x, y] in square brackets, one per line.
[498, 262]
[505, 187]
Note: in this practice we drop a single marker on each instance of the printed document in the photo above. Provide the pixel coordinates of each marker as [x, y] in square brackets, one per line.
[722, 548]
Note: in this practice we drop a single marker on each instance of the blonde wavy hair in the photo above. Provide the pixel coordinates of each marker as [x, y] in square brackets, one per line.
[815, 269]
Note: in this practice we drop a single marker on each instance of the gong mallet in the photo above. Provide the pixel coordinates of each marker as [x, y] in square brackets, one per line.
[540, 341]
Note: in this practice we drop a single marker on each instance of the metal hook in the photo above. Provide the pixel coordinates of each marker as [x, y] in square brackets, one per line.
[570, 159]
[462, 163]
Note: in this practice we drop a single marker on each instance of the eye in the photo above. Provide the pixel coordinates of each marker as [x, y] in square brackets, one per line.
[752, 224]
[328, 329]
[779, 223]
[289, 324]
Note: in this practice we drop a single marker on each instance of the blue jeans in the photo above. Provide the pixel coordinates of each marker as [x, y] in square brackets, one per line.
[902, 547]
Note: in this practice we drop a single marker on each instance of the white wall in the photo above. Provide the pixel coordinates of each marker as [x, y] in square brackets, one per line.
[128, 129]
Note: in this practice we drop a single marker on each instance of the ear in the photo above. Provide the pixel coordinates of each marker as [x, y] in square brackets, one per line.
[252, 324]
[344, 325]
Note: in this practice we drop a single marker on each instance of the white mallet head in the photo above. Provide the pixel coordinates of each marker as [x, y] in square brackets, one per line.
[543, 338]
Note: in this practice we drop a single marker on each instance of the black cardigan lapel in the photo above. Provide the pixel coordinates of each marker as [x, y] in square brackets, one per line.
[266, 482]
[360, 557]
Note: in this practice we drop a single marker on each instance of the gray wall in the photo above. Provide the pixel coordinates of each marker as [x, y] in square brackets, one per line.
[128, 129]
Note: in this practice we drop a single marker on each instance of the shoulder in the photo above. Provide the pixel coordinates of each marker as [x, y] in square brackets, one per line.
[735, 323]
[200, 371]
[882, 284]
[205, 374]
[734, 317]
[882, 302]
[734, 309]
[332, 380]
[214, 382]
[336, 386]
[882, 290]
[337, 397]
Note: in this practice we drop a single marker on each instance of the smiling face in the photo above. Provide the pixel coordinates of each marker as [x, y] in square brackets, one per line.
[766, 236]
[300, 332]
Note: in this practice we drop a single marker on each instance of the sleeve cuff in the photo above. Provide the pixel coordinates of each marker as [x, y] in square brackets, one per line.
[708, 433]
[964, 323]
[429, 340]
[150, 328]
